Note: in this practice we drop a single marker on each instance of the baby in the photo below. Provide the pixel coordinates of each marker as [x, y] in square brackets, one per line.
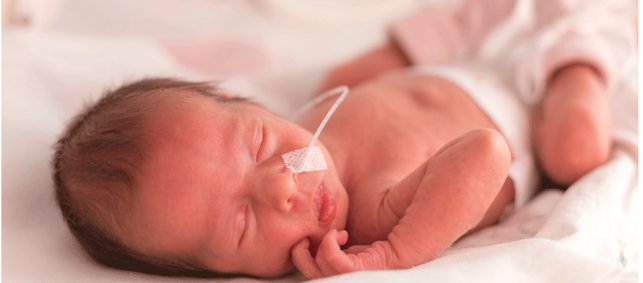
[182, 178]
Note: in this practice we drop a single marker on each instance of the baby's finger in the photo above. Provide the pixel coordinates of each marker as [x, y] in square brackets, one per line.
[356, 249]
[329, 242]
[342, 237]
[330, 258]
[303, 260]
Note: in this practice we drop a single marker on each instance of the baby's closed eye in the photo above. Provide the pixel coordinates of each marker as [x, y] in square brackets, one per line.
[242, 224]
[257, 141]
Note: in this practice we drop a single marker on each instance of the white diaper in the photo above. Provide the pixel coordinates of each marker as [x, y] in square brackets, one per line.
[510, 115]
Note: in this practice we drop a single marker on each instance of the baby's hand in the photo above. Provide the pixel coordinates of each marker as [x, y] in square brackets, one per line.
[331, 260]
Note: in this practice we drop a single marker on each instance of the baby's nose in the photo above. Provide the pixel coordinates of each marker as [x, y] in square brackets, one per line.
[278, 190]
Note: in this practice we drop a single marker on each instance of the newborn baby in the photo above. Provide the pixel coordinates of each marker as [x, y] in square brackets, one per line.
[182, 178]
[195, 176]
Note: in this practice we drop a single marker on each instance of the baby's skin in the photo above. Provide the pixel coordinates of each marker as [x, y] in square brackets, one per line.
[422, 166]
[458, 159]
[413, 164]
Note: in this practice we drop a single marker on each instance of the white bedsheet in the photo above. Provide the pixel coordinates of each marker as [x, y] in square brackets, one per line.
[588, 233]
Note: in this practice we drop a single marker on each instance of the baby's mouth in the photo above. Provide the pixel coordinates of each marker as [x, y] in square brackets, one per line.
[324, 205]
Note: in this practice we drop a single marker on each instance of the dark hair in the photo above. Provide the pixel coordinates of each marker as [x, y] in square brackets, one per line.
[95, 169]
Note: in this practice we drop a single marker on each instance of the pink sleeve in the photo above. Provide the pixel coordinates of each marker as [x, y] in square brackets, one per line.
[575, 47]
[431, 36]
[441, 34]
[597, 33]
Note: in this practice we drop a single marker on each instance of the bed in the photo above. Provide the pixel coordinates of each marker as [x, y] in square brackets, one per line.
[75, 49]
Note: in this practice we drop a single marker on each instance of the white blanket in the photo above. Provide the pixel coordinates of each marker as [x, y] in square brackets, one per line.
[588, 233]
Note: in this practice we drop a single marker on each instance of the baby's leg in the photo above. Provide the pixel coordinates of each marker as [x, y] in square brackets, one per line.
[572, 124]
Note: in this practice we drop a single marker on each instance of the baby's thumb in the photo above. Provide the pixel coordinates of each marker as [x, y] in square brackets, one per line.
[342, 237]
[303, 260]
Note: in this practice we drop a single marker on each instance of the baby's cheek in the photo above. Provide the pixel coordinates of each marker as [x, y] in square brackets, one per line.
[275, 268]
[270, 267]
[281, 260]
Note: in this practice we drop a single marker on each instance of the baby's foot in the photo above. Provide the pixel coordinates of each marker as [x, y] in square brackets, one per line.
[571, 126]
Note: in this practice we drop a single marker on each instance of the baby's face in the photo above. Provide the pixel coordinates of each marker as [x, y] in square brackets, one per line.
[216, 191]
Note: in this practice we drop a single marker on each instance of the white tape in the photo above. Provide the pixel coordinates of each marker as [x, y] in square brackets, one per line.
[306, 159]
[311, 158]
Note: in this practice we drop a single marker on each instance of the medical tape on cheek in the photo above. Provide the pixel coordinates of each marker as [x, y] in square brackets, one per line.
[311, 158]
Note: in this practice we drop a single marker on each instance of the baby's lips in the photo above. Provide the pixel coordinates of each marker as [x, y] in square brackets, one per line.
[325, 205]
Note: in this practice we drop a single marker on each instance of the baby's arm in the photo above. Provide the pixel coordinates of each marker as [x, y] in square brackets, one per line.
[567, 71]
[367, 66]
[452, 193]
[572, 124]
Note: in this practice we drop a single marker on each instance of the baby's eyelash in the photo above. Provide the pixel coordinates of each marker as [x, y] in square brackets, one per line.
[244, 224]
[261, 137]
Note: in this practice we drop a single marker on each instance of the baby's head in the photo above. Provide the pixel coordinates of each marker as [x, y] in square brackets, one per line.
[179, 178]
